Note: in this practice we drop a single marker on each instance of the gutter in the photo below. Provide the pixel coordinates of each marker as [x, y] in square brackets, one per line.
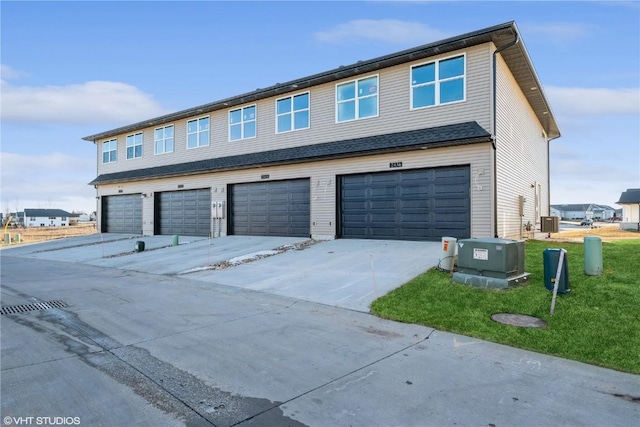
[495, 126]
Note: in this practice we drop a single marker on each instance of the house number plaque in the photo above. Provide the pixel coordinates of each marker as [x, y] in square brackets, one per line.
[395, 164]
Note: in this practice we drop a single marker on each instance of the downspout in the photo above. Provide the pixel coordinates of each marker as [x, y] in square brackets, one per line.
[549, 173]
[495, 126]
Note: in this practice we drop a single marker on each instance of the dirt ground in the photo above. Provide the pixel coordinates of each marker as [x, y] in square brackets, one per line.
[39, 234]
[606, 231]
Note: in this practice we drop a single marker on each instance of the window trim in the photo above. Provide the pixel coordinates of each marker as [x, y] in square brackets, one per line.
[197, 132]
[241, 123]
[438, 81]
[292, 112]
[356, 98]
[115, 140]
[165, 139]
[126, 146]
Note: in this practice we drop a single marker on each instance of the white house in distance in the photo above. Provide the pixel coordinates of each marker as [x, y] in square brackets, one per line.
[582, 211]
[450, 138]
[46, 218]
[630, 201]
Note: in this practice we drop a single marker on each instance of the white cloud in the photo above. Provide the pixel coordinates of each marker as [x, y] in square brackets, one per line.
[93, 102]
[7, 73]
[559, 32]
[46, 181]
[592, 101]
[386, 30]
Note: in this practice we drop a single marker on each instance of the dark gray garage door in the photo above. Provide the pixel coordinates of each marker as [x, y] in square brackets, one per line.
[422, 204]
[276, 208]
[122, 214]
[186, 213]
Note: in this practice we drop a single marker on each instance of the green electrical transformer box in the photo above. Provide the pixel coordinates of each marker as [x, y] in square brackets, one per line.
[491, 262]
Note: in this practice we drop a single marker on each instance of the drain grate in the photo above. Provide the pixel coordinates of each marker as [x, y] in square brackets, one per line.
[17, 309]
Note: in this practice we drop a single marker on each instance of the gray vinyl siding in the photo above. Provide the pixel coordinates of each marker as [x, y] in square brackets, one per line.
[394, 115]
[323, 175]
[521, 157]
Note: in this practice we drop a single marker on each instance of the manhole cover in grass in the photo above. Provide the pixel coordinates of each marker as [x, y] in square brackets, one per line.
[521, 320]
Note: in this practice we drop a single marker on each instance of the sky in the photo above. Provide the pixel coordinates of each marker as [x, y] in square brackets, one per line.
[73, 69]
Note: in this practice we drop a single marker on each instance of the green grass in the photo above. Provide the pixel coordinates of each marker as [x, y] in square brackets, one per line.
[598, 322]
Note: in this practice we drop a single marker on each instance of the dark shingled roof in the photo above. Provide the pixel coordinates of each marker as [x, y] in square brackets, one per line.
[442, 136]
[46, 212]
[632, 195]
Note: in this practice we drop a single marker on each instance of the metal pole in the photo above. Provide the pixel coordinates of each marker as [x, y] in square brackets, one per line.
[555, 285]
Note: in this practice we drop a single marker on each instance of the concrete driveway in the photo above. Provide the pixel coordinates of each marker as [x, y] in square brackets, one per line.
[146, 349]
[341, 273]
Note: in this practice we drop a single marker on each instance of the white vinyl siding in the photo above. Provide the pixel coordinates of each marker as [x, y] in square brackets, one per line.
[394, 115]
[322, 175]
[522, 150]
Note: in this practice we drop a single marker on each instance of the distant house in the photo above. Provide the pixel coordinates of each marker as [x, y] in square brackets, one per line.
[75, 218]
[46, 218]
[17, 218]
[555, 212]
[582, 211]
[630, 201]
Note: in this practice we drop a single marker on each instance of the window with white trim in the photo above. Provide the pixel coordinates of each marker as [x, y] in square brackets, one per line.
[134, 146]
[198, 132]
[109, 151]
[242, 123]
[357, 99]
[438, 82]
[163, 139]
[292, 113]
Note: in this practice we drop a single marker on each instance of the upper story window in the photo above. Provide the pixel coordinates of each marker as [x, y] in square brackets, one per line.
[242, 123]
[292, 113]
[357, 99]
[134, 146]
[198, 132]
[438, 82]
[109, 151]
[163, 139]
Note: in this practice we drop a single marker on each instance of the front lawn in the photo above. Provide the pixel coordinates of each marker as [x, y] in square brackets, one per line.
[598, 322]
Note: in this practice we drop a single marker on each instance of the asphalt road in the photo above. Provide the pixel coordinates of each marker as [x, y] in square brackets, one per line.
[142, 349]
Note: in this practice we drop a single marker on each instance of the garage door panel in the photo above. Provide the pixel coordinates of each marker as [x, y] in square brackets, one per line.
[423, 204]
[186, 212]
[122, 214]
[277, 208]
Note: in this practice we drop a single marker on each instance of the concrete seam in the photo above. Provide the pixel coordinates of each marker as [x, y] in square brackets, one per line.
[338, 378]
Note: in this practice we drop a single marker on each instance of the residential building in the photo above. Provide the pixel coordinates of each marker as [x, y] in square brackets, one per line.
[584, 210]
[630, 201]
[46, 218]
[446, 139]
[555, 211]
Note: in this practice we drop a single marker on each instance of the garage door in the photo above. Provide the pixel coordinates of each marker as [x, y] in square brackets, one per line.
[276, 208]
[422, 204]
[122, 214]
[186, 213]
